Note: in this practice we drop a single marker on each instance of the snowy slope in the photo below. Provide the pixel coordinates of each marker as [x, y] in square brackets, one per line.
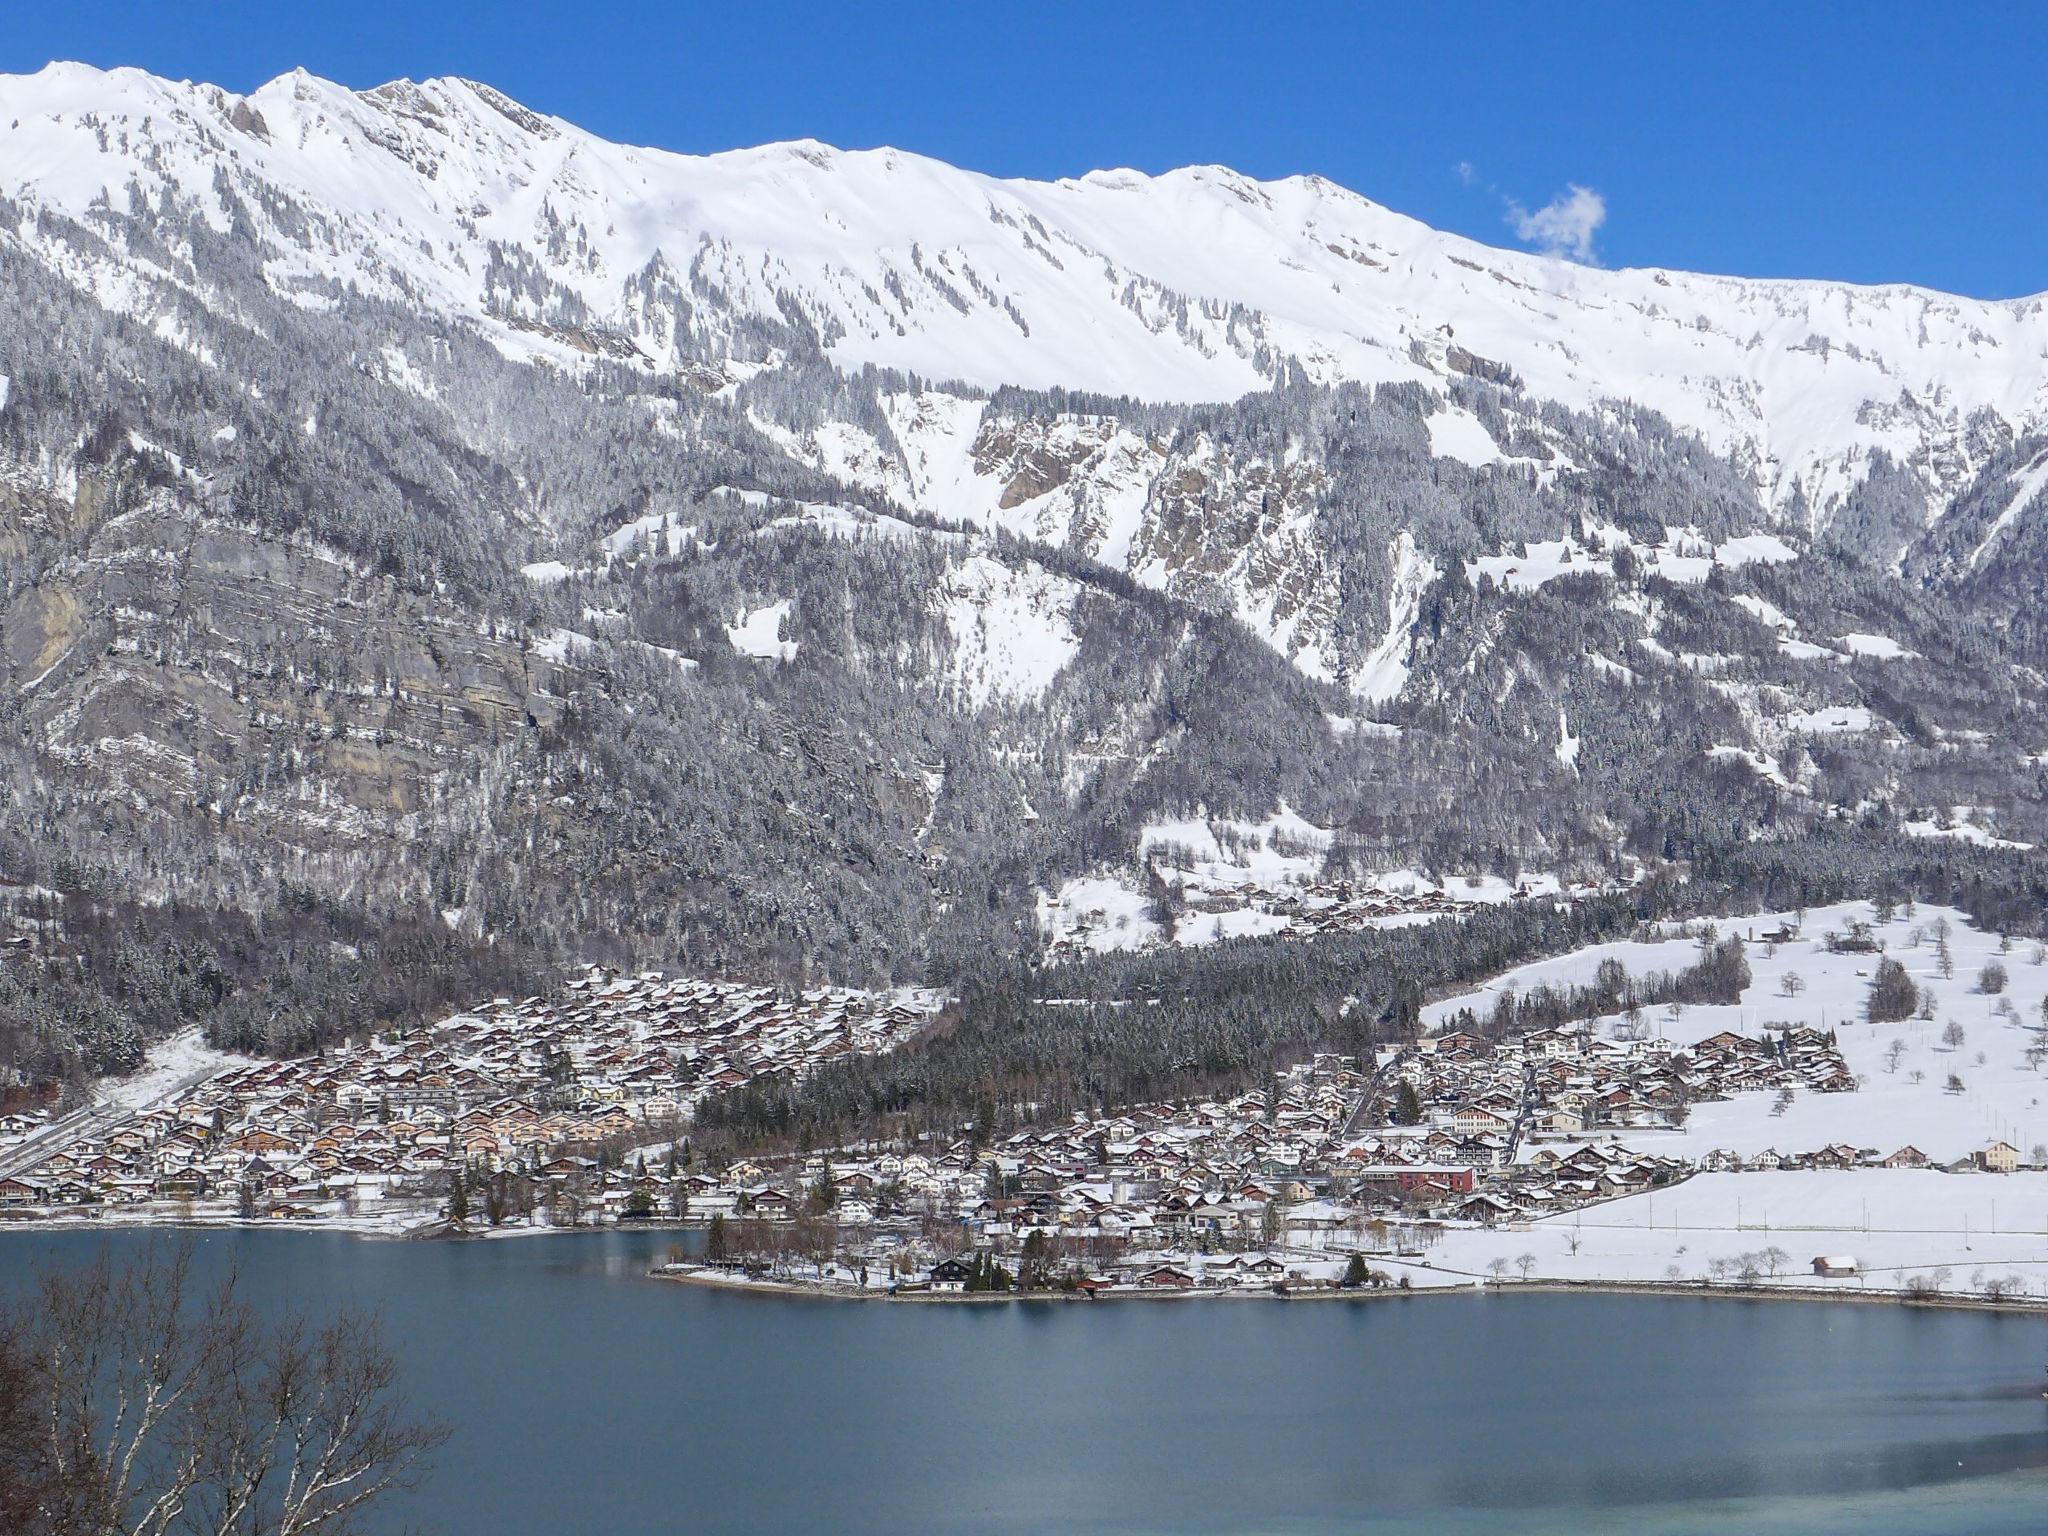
[1198, 284]
[1902, 1101]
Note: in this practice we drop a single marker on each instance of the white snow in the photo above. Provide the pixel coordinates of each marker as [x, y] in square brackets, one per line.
[1883, 647]
[758, 632]
[1192, 285]
[1958, 829]
[1567, 745]
[168, 1065]
[558, 645]
[1099, 912]
[1455, 433]
[2004, 1096]
[1012, 629]
[1894, 1223]
[2032, 481]
[1688, 557]
[1385, 670]
[1840, 719]
[1352, 725]
[1216, 853]
[1806, 650]
[1240, 923]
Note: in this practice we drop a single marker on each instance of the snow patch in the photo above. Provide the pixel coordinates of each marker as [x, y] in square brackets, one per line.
[1455, 433]
[758, 633]
[1012, 629]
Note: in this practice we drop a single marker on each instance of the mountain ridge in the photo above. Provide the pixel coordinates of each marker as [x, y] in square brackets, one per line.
[436, 545]
[1197, 284]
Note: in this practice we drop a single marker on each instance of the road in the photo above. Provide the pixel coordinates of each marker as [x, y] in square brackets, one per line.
[99, 1118]
[1365, 1100]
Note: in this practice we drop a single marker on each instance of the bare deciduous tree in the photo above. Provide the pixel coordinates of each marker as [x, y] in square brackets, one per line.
[164, 1409]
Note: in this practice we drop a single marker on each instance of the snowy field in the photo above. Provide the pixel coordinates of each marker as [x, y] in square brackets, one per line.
[1899, 1103]
[1895, 1224]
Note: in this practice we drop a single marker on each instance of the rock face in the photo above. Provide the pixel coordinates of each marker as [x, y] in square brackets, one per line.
[415, 511]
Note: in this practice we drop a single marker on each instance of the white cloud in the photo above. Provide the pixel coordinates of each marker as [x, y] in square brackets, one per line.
[1564, 226]
[1466, 172]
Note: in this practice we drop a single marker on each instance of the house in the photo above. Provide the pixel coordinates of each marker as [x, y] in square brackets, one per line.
[1563, 1122]
[1907, 1157]
[1999, 1157]
[1833, 1268]
[951, 1274]
[1477, 1120]
[1166, 1277]
[1485, 1209]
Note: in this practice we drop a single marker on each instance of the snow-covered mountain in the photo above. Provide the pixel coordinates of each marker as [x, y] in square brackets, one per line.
[433, 540]
[1196, 285]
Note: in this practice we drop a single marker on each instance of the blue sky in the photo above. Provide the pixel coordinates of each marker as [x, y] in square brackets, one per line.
[1873, 142]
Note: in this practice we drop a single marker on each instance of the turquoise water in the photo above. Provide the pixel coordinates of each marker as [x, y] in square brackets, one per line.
[590, 1399]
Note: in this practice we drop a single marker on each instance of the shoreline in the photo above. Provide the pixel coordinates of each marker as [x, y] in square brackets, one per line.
[814, 1290]
[822, 1291]
[368, 1230]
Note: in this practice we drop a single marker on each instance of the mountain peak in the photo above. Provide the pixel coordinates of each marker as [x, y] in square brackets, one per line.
[1200, 283]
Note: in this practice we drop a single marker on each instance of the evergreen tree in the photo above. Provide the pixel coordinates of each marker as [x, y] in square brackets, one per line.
[1407, 1105]
[1893, 996]
[458, 1195]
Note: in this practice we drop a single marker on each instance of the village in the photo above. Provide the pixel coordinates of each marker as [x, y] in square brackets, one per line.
[1475, 1153]
[1267, 894]
[530, 1097]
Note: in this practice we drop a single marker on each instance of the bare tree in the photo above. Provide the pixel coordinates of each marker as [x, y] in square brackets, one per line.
[21, 1460]
[1525, 1263]
[163, 1409]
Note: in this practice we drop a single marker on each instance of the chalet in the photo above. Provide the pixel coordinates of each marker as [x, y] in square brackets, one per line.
[1486, 1210]
[1834, 1268]
[1907, 1157]
[1167, 1277]
[951, 1274]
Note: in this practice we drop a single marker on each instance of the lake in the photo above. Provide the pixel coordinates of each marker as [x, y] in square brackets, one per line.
[588, 1398]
